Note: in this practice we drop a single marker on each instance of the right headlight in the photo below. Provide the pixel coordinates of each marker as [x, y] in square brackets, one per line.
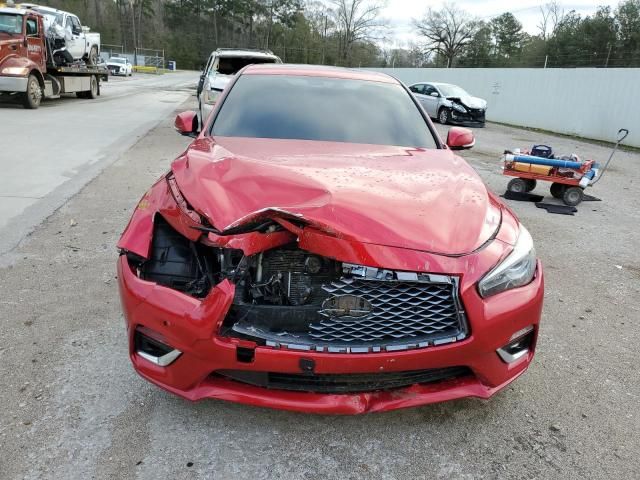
[514, 271]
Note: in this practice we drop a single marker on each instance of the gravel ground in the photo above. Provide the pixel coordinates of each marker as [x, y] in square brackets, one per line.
[72, 407]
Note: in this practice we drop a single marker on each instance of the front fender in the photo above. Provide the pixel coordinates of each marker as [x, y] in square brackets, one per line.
[16, 61]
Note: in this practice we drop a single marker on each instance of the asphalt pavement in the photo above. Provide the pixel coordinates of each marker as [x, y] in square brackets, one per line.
[48, 154]
[73, 408]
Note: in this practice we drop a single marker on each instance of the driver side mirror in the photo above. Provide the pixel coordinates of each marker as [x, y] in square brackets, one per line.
[460, 138]
[187, 124]
[434, 94]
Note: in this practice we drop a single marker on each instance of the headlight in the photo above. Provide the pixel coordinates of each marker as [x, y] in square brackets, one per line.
[15, 71]
[211, 96]
[514, 271]
[459, 108]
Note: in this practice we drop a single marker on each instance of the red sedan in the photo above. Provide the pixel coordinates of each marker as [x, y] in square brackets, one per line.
[319, 248]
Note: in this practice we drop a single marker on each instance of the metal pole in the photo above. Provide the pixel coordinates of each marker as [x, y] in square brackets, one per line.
[546, 57]
[606, 64]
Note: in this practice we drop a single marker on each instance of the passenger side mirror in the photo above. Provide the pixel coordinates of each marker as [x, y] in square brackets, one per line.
[434, 94]
[460, 138]
[187, 124]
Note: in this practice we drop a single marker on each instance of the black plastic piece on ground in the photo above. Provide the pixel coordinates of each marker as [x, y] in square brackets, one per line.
[522, 197]
[590, 198]
[559, 209]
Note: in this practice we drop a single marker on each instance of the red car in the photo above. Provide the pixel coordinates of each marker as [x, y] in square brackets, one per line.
[319, 248]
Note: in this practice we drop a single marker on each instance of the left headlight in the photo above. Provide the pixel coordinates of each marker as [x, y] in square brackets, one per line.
[21, 71]
[514, 271]
[459, 108]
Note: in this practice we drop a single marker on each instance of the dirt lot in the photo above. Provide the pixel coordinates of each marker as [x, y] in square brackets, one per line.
[72, 407]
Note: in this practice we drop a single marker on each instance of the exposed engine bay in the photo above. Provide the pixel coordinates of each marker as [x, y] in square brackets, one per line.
[287, 297]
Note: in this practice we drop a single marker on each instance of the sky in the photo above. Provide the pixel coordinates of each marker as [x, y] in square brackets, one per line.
[400, 13]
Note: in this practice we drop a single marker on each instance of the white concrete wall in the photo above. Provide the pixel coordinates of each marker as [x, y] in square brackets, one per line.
[588, 102]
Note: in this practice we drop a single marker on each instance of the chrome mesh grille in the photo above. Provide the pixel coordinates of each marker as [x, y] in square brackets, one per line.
[400, 311]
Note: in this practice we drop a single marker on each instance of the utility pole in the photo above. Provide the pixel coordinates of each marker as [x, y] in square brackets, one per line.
[546, 57]
[606, 64]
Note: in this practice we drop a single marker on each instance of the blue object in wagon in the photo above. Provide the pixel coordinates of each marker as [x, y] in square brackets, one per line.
[549, 162]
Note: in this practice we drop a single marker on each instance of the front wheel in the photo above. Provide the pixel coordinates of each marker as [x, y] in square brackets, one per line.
[33, 96]
[517, 185]
[444, 115]
[92, 58]
[572, 196]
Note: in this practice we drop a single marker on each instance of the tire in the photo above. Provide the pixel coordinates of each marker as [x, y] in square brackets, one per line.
[33, 96]
[517, 185]
[531, 184]
[557, 190]
[93, 93]
[444, 115]
[572, 196]
[92, 58]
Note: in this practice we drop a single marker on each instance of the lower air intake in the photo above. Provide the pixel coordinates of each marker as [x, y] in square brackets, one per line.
[343, 383]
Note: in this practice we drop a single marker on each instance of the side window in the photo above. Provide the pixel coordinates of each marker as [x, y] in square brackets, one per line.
[32, 27]
[76, 28]
[419, 88]
[429, 90]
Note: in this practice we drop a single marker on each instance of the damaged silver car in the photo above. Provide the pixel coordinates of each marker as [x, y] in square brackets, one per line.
[449, 103]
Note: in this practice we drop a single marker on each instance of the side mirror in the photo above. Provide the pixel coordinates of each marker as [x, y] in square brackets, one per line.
[187, 124]
[434, 94]
[460, 138]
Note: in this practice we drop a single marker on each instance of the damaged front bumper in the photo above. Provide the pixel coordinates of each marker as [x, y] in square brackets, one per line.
[240, 342]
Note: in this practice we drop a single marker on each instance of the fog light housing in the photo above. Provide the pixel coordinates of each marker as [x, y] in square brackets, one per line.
[519, 345]
[149, 346]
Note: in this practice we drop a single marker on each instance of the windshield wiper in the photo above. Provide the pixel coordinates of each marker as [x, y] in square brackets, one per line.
[13, 34]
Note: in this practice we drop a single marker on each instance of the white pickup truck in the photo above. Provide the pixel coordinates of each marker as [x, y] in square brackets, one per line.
[81, 43]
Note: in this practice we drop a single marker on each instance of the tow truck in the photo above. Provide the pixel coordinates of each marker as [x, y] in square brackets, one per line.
[27, 66]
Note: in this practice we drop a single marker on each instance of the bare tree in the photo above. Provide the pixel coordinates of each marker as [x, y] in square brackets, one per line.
[356, 20]
[447, 31]
[552, 14]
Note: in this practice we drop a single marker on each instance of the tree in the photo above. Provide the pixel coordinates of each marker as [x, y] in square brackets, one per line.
[356, 20]
[627, 17]
[479, 51]
[447, 31]
[507, 34]
[552, 14]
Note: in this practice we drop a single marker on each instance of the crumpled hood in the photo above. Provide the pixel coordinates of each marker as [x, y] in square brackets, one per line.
[428, 200]
[220, 81]
[471, 102]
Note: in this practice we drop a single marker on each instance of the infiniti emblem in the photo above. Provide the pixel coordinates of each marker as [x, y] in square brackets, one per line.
[346, 306]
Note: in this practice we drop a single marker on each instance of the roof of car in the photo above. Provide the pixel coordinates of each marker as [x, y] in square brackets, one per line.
[317, 71]
[15, 11]
[238, 52]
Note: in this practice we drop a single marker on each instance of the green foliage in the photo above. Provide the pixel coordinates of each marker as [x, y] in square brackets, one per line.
[313, 31]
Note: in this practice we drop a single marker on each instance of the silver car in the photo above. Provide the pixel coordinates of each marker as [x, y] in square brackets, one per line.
[221, 67]
[450, 103]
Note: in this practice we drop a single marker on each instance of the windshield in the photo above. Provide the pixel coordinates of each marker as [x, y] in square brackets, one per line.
[452, 91]
[52, 17]
[10, 23]
[232, 65]
[322, 109]
[117, 60]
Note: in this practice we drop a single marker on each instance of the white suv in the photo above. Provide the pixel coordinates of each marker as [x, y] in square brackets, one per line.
[222, 65]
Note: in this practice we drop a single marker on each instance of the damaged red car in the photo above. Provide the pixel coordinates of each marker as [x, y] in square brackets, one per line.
[319, 248]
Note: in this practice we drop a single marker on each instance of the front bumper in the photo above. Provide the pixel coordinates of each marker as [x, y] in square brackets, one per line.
[192, 326]
[13, 84]
[469, 118]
